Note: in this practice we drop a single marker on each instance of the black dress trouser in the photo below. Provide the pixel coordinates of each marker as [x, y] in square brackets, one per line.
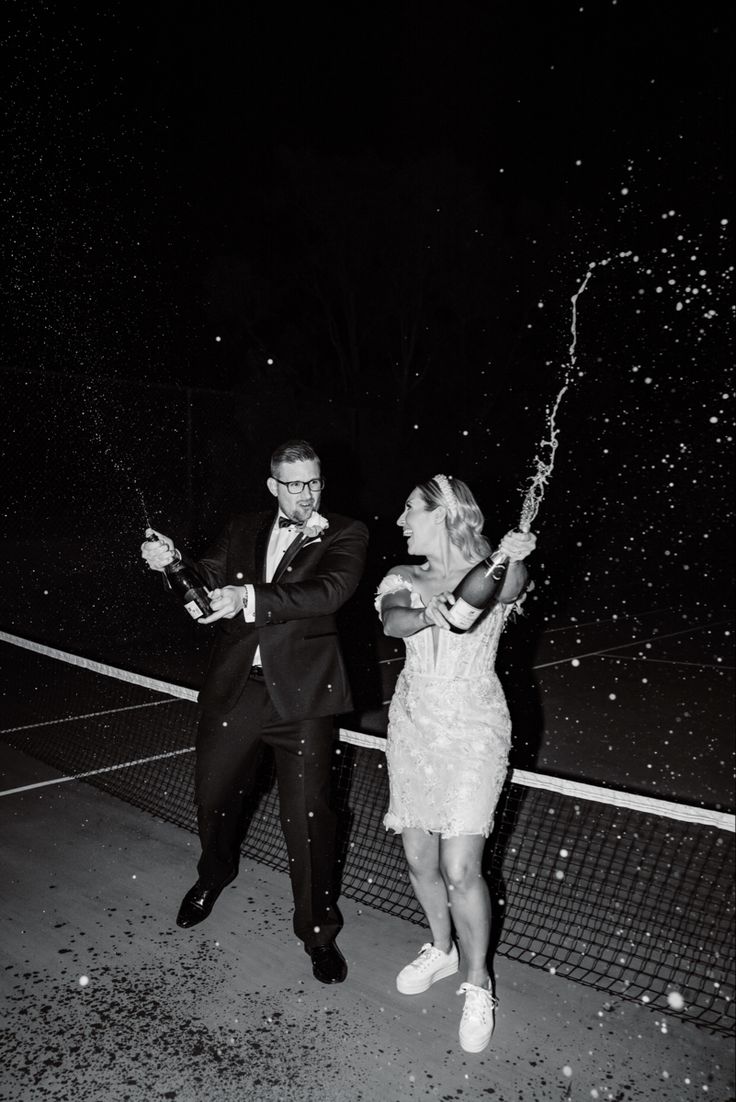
[228, 750]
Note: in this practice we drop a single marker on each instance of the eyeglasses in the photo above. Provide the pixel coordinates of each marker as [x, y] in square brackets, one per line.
[315, 485]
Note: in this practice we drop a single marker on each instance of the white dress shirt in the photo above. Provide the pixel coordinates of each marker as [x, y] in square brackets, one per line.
[279, 540]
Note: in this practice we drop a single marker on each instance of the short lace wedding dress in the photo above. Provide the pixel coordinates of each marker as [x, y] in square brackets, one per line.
[449, 729]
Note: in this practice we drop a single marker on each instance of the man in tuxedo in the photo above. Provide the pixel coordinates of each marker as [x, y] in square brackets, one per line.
[277, 678]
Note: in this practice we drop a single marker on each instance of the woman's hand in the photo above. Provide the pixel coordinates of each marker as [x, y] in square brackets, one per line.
[517, 545]
[435, 612]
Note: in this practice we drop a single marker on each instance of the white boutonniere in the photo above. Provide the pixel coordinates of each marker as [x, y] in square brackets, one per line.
[317, 525]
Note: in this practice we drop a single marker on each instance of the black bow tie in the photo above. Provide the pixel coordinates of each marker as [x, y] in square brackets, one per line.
[284, 522]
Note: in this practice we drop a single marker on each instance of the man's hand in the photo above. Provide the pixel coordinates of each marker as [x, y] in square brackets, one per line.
[159, 553]
[226, 602]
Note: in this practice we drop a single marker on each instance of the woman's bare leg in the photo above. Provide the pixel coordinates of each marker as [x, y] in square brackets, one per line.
[422, 855]
[470, 902]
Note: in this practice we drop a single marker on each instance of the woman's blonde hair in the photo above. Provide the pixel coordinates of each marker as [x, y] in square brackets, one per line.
[464, 520]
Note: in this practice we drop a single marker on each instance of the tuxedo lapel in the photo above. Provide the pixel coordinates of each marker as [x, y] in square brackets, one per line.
[262, 538]
[288, 555]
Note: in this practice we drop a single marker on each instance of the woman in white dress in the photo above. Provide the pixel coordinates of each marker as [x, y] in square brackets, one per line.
[448, 737]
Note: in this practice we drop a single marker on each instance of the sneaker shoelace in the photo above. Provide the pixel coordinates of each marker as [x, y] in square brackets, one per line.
[479, 1003]
[427, 955]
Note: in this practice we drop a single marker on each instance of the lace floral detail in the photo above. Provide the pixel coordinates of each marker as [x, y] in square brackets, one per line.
[392, 583]
[449, 728]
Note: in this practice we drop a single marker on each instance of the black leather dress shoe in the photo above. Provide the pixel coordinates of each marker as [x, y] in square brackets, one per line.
[198, 903]
[328, 963]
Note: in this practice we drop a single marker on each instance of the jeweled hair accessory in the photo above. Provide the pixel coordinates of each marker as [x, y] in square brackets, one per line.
[448, 494]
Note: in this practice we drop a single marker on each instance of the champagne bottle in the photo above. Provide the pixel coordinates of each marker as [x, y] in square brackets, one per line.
[474, 593]
[186, 583]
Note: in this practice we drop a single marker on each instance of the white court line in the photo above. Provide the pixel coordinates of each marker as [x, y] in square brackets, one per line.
[668, 662]
[86, 715]
[626, 646]
[623, 646]
[95, 772]
[645, 804]
[596, 794]
[573, 627]
[618, 619]
[585, 791]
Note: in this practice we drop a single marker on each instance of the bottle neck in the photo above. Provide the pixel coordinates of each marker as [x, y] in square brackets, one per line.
[497, 558]
[496, 563]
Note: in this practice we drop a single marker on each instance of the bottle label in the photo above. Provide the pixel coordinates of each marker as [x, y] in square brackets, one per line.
[463, 615]
[193, 609]
[496, 570]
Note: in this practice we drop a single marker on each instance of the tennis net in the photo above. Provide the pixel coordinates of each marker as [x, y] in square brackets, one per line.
[628, 894]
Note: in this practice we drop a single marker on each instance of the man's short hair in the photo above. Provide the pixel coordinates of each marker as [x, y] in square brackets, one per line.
[293, 451]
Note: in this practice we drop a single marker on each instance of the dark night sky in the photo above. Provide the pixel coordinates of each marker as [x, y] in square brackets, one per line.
[312, 183]
[145, 142]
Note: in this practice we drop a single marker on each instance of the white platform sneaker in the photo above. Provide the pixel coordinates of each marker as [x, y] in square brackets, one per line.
[476, 1024]
[431, 965]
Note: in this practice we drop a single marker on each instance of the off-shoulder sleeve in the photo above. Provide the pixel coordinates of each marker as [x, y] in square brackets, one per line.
[392, 583]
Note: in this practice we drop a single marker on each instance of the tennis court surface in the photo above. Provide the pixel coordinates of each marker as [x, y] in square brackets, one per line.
[613, 902]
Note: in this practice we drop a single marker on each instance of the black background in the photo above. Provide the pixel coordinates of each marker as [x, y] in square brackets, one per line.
[364, 224]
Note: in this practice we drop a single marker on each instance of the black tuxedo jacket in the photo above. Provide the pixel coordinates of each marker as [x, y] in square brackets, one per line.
[295, 625]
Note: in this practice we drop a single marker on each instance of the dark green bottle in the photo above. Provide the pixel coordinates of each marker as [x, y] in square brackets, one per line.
[184, 581]
[475, 592]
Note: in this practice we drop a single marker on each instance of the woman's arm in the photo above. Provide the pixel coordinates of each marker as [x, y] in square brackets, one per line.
[399, 618]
